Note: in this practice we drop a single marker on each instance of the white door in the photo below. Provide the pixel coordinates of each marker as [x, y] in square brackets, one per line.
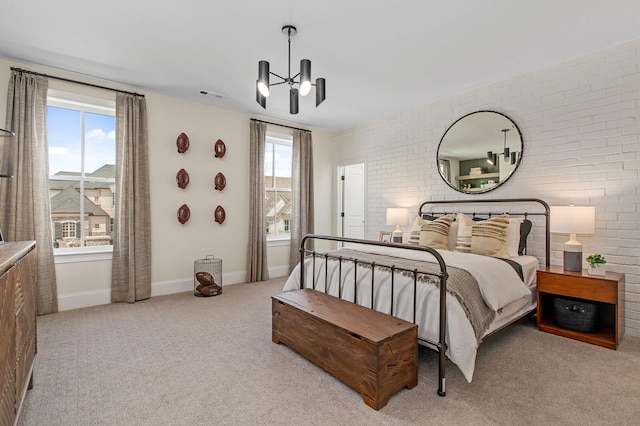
[352, 212]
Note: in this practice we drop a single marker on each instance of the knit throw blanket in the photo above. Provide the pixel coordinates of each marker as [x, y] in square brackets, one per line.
[461, 284]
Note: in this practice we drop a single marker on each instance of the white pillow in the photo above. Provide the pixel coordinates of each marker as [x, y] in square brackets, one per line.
[453, 235]
[513, 236]
[463, 236]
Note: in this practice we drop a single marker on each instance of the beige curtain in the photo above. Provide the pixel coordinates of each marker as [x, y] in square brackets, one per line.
[24, 200]
[302, 216]
[131, 268]
[257, 267]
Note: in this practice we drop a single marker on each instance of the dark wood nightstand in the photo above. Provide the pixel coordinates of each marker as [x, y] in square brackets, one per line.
[607, 291]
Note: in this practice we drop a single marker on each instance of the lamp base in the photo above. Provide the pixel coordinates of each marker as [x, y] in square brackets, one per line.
[396, 235]
[572, 261]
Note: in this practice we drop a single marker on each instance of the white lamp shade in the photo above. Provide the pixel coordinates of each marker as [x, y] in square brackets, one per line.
[397, 216]
[573, 220]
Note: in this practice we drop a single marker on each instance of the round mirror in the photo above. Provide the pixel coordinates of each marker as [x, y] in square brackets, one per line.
[479, 152]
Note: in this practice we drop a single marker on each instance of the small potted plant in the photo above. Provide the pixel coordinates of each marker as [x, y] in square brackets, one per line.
[596, 264]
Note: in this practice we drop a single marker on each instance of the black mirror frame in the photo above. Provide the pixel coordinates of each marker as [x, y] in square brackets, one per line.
[499, 183]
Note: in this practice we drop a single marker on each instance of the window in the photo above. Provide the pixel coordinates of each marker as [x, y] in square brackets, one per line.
[82, 151]
[68, 230]
[277, 185]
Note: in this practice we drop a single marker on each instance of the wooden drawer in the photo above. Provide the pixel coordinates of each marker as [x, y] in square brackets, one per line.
[590, 288]
[374, 353]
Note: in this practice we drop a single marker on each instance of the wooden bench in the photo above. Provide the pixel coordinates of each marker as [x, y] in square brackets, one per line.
[372, 352]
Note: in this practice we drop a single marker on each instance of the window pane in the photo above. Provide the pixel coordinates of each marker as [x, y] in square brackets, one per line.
[268, 165]
[100, 145]
[282, 155]
[65, 140]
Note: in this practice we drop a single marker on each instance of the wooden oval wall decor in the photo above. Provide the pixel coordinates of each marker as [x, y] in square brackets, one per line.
[219, 214]
[220, 148]
[184, 214]
[220, 181]
[183, 143]
[182, 178]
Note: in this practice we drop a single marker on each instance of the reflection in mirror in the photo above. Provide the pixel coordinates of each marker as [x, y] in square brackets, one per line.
[479, 152]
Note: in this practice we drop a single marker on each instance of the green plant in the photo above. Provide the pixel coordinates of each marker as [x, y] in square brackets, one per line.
[595, 259]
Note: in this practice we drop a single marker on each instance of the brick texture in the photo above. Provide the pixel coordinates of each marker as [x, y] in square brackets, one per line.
[580, 125]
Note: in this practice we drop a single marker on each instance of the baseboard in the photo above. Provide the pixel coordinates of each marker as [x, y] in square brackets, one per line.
[83, 299]
[86, 299]
[279, 271]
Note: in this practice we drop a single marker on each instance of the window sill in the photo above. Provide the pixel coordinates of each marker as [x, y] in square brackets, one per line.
[278, 243]
[87, 254]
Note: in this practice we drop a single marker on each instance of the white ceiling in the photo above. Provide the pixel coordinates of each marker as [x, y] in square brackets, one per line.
[379, 57]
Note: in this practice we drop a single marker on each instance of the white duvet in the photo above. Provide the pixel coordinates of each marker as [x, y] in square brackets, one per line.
[498, 282]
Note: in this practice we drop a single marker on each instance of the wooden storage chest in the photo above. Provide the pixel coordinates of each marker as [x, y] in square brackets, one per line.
[372, 352]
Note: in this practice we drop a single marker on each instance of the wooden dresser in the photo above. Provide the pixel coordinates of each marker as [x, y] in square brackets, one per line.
[18, 276]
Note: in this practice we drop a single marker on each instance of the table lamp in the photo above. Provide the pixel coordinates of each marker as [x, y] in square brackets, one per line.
[397, 216]
[573, 220]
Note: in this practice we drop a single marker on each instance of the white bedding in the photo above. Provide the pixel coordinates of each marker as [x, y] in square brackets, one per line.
[501, 288]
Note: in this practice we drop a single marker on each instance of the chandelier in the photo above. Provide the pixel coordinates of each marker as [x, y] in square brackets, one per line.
[296, 87]
[492, 157]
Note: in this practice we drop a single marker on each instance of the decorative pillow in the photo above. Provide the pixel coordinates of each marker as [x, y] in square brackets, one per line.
[453, 235]
[513, 236]
[414, 238]
[463, 236]
[435, 234]
[489, 237]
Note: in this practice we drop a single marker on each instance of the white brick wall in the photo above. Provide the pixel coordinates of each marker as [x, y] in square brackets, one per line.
[580, 124]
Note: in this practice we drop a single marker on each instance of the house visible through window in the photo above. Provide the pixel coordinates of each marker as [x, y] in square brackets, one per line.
[82, 151]
[277, 185]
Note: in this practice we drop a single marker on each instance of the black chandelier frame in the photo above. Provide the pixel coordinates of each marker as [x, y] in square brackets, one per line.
[303, 83]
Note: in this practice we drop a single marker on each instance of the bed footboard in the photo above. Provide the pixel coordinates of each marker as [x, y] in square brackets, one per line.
[440, 345]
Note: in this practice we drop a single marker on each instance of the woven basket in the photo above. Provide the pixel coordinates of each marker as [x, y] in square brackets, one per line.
[575, 314]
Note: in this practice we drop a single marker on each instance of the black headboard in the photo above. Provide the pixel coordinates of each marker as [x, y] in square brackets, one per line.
[510, 206]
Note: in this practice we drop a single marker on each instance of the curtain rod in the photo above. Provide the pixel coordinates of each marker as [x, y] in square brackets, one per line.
[281, 125]
[74, 81]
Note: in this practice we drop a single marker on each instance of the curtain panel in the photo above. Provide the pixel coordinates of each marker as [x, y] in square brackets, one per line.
[257, 267]
[24, 200]
[302, 212]
[131, 266]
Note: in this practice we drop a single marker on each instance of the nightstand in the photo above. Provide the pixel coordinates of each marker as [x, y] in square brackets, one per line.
[606, 291]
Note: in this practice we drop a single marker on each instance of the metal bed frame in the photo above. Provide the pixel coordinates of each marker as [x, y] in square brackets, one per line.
[442, 276]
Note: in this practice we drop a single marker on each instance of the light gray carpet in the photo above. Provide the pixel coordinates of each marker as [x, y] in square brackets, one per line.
[184, 360]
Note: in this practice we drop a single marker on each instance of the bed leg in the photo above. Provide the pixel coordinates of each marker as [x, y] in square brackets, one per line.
[442, 391]
[441, 388]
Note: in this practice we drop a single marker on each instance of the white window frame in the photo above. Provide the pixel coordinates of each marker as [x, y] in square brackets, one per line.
[73, 101]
